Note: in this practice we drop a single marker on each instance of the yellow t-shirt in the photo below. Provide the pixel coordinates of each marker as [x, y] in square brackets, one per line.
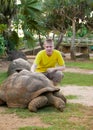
[44, 62]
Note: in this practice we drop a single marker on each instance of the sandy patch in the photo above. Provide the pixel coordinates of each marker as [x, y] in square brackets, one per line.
[84, 94]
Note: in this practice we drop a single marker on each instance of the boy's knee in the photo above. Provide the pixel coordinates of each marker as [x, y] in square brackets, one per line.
[58, 76]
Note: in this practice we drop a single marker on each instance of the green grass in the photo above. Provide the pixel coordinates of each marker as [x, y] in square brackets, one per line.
[3, 76]
[69, 79]
[74, 117]
[80, 64]
[77, 79]
[72, 97]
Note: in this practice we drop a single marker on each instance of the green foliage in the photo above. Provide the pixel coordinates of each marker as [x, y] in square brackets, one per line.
[12, 40]
[2, 28]
[37, 17]
[29, 15]
[83, 31]
[7, 11]
[2, 45]
[55, 20]
[69, 32]
[2, 40]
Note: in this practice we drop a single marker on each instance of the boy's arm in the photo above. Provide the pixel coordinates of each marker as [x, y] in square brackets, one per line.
[33, 67]
[58, 68]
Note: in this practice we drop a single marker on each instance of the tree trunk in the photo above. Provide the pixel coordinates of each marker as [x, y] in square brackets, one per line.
[40, 42]
[72, 49]
[59, 41]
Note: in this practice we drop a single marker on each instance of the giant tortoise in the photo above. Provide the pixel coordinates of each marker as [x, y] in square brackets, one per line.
[31, 90]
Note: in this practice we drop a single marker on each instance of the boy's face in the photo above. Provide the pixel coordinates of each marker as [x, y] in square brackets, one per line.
[49, 48]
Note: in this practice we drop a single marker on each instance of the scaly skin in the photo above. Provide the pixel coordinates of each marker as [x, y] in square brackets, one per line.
[37, 102]
[60, 95]
[57, 102]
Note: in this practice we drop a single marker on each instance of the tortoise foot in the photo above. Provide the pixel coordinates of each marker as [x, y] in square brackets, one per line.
[36, 103]
[60, 105]
[60, 95]
[56, 101]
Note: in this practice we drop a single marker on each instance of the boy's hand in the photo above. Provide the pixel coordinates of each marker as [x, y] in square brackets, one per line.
[50, 70]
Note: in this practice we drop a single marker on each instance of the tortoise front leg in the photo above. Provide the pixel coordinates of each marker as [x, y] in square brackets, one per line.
[56, 101]
[37, 102]
[60, 95]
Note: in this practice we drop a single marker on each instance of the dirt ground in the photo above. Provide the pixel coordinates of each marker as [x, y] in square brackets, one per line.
[84, 96]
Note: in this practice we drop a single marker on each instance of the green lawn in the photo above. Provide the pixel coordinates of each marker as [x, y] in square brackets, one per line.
[80, 64]
[77, 79]
[69, 78]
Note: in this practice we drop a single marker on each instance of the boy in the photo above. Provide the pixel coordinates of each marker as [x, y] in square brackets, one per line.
[49, 62]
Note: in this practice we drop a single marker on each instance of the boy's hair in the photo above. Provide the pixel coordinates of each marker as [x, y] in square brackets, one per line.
[49, 41]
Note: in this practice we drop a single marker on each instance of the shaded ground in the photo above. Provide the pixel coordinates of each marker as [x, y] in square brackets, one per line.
[84, 96]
